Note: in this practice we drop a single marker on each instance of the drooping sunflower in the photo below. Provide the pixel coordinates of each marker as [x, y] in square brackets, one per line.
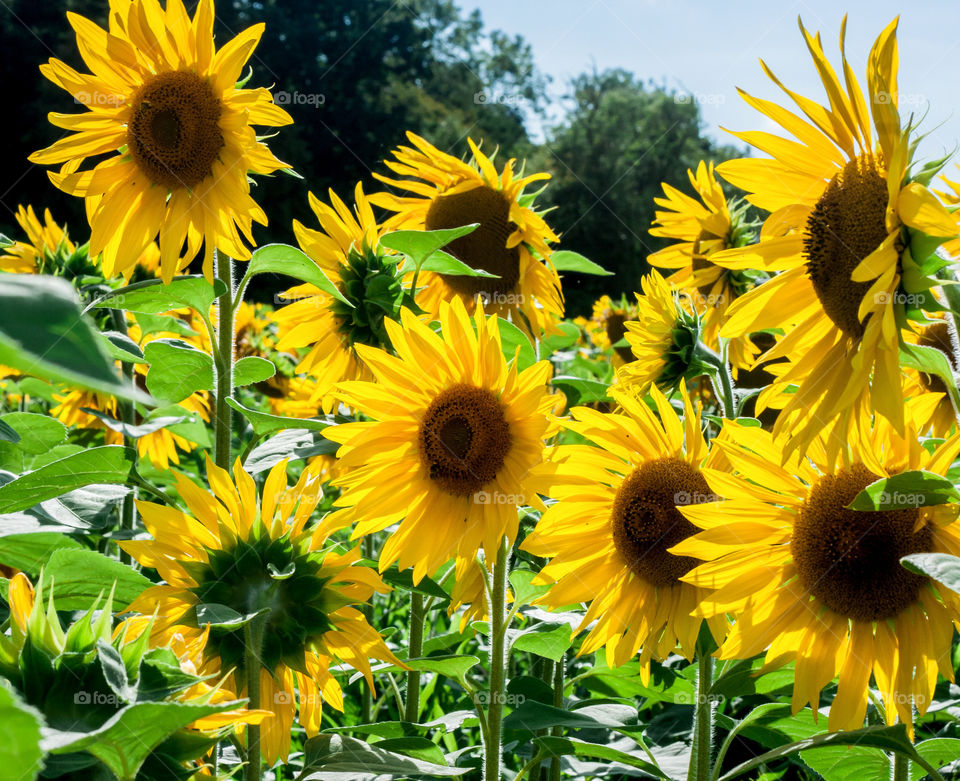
[164, 106]
[366, 274]
[252, 553]
[43, 238]
[451, 438]
[702, 226]
[615, 517]
[812, 582]
[607, 326]
[663, 338]
[512, 240]
[843, 215]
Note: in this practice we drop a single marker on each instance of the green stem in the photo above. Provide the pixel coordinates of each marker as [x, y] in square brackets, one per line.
[546, 675]
[702, 721]
[366, 704]
[557, 703]
[253, 643]
[223, 360]
[900, 767]
[128, 510]
[532, 767]
[498, 658]
[412, 709]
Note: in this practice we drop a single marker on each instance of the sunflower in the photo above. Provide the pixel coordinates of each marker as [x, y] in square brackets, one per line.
[452, 436]
[607, 326]
[43, 239]
[952, 197]
[663, 338]
[843, 208]
[821, 585]
[615, 516]
[349, 253]
[937, 334]
[702, 226]
[248, 553]
[512, 240]
[164, 106]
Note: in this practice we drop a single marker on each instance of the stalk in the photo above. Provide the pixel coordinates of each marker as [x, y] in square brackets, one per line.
[702, 721]
[557, 703]
[498, 631]
[223, 350]
[412, 709]
[253, 642]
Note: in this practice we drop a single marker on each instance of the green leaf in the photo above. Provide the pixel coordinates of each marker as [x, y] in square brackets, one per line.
[907, 490]
[284, 259]
[512, 337]
[8, 433]
[294, 443]
[37, 433]
[938, 752]
[566, 260]
[251, 369]
[580, 391]
[551, 642]
[928, 360]
[121, 347]
[454, 666]
[560, 747]
[44, 334]
[392, 576]
[80, 577]
[524, 592]
[533, 716]
[152, 297]
[20, 754]
[569, 335]
[416, 747]
[420, 245]
[108, 464]
[847, 763]
[177, 369]
[264, 423]
[29, 552]
[884, 738]
[135, 432]
[328, 754]
[125, 740]
[441, 262]
[942, 567]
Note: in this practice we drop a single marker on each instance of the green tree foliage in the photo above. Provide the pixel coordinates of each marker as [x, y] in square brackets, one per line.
[619, 142]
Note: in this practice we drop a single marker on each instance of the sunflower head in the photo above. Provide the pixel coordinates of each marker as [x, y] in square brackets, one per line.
[48, 249]
[165, 109]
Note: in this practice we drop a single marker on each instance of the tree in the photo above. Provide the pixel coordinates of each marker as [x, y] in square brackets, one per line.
[618, 143]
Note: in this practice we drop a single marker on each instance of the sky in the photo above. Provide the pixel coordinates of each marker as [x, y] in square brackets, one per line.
[706, 49]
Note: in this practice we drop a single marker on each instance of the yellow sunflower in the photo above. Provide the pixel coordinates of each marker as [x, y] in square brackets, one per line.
[615, 516]
[43, 238]
[248, 553]
[839, 234]
[164, 106]
[820, 585]
[953, 198]
[451, 438]
[662, 338]
[607, 326]
[512, 240]
[943, 418]
[349, 253]
[702, 226]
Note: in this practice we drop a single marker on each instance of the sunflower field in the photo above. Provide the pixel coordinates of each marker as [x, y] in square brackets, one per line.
[414, 520]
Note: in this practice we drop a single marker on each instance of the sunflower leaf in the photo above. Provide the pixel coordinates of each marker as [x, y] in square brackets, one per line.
[330, 755]
[251, 369]
[928, 360]
[567, 260]
[907, 490]
[152, 297]
[512, 337]
[264, 423]
[121, 347]
[284, 259]
[555, 746]
[20, 752]
[441, 262]
[420, 245]
[942, 567]
[580, 391]
[177, 369]
[84, 576]
[34, 434]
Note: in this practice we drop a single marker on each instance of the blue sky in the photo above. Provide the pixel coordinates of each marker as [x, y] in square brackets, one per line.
[706, 49]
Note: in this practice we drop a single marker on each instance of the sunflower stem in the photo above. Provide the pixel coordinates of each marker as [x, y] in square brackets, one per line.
[412, 708]
[557, 703]
[128, 511]
[252, 646]
[702, 721]
[900, 767]
[366, 705]
[223, 361]
[498, 658]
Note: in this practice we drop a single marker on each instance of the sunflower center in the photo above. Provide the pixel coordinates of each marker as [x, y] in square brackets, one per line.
[616, 327]
[173, 133]
[938, 336]
[464, 439]
[273, 578]
[485, 248]
[645, 520]
[850, 560]
[846, 225]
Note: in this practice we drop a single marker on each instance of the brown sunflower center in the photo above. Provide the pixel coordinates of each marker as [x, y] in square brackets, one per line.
[173, 132]
[845, 226]
[645, 520]
[938, 336]
[616, 328]
[464, 439]
[485, 248]
[850, 560]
